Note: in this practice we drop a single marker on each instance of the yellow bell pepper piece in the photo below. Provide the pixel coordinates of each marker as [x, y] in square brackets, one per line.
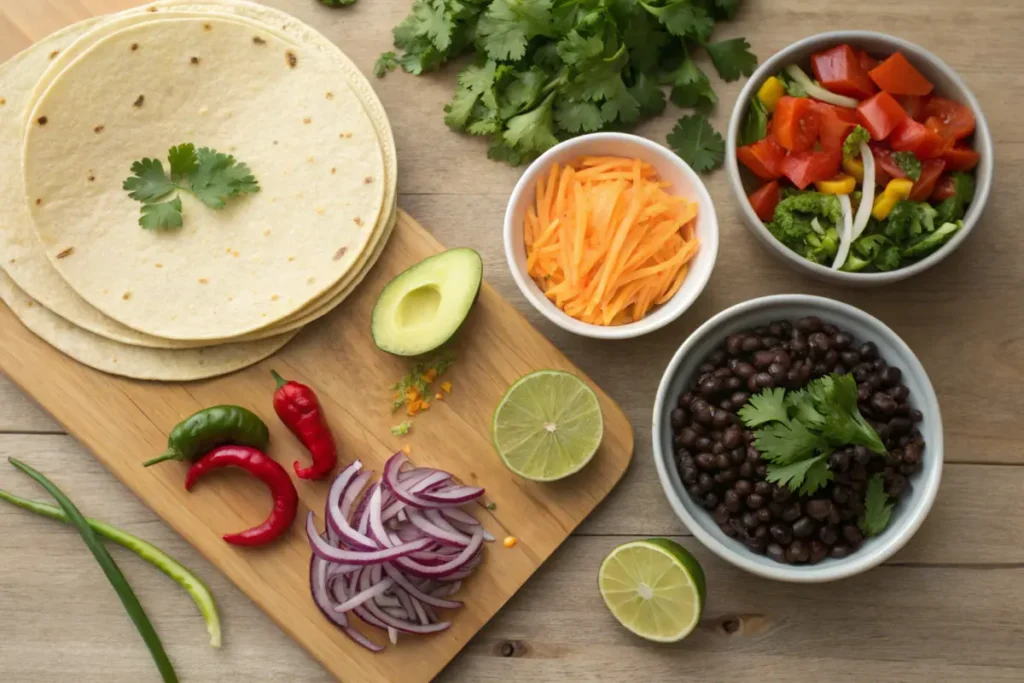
[897, 190]
[841, 184]
[771, 92]
[854, 167]
[900, 188]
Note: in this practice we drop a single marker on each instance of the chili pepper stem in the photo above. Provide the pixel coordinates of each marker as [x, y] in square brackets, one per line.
[169, 454]
[281, 381]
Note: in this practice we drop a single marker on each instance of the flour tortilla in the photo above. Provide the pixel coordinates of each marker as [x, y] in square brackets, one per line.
[36, 275]
[203, 292]
[177, 365]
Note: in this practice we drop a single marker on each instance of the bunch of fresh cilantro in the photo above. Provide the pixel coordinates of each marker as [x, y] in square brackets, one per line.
[209, 175]
[796, 431]
[545, 71]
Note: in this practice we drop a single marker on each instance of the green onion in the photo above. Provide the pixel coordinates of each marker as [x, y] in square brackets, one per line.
[180, 574]
[110, 568]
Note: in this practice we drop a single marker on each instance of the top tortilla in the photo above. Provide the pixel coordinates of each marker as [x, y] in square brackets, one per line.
[294, 240]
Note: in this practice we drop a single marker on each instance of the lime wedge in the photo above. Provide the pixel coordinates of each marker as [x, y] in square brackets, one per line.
[655, 588]
[548, 425]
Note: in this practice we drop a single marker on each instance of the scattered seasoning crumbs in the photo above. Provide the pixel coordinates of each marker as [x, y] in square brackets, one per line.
[439, 396]
[39, 200]
[3, 101]
[139, 101]
[357, 220]
[194, 60]
[447, 386]
[67, 252]
[42, 120]
[401, 429]
[490, 506]
[291, 58]
[207, 27]
[329, 96]
[203, 281]
[126, 296]
[407, 449]
[98, 129]
[258, 41]
[307, 120]
[412, 389]
[510, 541]
[54, 54]
[135, 46]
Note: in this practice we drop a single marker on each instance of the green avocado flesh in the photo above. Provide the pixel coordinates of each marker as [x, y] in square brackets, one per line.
[424, 306]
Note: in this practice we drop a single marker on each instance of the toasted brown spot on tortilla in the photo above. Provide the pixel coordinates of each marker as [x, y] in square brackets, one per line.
[307, 120]
[207, 27]
[3, 101]
[11, 260]
[274, 297]
[290, 259]
[309, 159]
[266, 233]
[194, 60]
[338, 254]
[333, 170]
[39, 200]
[344, 135]
[92, 177]
[367, 180]
[291, 58]
[42, 120]
[310, 280]
[98, 129]
[126, 296]
[54, 54]
[203, 281]
[357, 220]
[138, 102]
[320, 210]
[67, 252]
[258, 41]
[135, 46]
[151, 9]
[159, 265]
[329, 95]
[275, 142]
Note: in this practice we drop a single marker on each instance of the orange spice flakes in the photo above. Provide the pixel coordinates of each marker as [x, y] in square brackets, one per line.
[447, 386]
[407, 449]
[510, 541]
[414, 391]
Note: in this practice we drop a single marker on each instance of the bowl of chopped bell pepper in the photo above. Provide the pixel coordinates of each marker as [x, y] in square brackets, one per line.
[859, 158]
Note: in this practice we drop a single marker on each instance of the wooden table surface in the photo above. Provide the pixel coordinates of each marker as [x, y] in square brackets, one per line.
[948, 607]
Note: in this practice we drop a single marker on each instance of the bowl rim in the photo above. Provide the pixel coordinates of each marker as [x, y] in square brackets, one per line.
[674, 307]
[982, 142]
[855, 563]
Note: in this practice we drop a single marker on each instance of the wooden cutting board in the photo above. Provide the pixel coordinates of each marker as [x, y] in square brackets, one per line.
[123, 422]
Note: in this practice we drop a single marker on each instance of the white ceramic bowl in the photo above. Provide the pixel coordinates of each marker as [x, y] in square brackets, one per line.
[684, 182]
[908, 513]
[947, 84]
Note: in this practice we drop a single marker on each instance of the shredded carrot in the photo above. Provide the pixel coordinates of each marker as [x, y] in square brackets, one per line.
[606, 242]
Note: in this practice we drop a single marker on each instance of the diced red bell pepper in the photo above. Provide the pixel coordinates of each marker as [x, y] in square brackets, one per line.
[866, 61]
[931, 170]
[834, 126]
[933, 123]
[881, 115]
[911, 136]
[944, 189]
[840, 71]
[795, 123]
[763, 158]
[897, 76]
[804, 168]
[957, 117]
[961, 158]
[764, 200]
[914, 105]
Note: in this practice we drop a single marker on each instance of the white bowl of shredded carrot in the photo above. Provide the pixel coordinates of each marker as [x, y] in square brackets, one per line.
[610, 235]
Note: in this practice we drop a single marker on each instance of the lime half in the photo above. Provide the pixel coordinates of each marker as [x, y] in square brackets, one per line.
[655, 588]
[548, 425]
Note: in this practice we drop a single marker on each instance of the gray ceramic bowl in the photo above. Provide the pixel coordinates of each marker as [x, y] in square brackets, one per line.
[911, 509]
[947, 84]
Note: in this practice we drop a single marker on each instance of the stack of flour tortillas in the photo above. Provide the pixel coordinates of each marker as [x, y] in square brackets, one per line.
[230, 286]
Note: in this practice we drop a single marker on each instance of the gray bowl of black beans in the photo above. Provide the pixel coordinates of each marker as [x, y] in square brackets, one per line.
[798, 438]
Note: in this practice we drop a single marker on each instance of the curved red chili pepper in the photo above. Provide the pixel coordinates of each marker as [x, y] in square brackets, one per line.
[299, 409]
[261, 466]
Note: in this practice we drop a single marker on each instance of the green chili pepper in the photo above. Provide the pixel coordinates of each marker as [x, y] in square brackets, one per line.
[117, 580]
[178, 572]
[212, 427]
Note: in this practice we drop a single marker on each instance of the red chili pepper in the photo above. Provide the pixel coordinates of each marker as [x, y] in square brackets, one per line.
[261, 466]
[297, 406]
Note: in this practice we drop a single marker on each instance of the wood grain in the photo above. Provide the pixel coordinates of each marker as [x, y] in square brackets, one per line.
[945, 609]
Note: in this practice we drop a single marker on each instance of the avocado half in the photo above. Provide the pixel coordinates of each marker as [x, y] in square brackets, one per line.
[424, 306]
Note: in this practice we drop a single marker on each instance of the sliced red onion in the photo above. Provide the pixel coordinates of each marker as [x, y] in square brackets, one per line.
[453, 495]
[393, 635]
[427, 482]
[451, 567]
[328, 552]
[390, 479]
[324, 602]
[422, 596]
[403, 624]
[364, 595]
[459, 515]
[449, 536]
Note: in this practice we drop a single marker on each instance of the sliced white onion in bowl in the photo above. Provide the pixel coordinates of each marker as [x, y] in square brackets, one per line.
[816, 91]
[867, 199]
[847, 237]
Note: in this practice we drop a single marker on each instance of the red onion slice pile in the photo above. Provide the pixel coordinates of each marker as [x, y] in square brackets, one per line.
[398, 553]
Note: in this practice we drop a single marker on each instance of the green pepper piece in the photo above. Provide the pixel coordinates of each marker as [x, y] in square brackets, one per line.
[212, 427]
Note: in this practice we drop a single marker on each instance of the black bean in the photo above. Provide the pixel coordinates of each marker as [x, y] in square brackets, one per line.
[734, 344]
[710, 388]
[883, 403]
[868, 351]
[828, 535]
[900, 393]
[879, 364]
[862, 455]
[839, 369]
[916, 415]
[703, 443]
[864, 392]
[818, 552]
[852, 535]
[819, 370]
[811, 323]
[778, 372]
[780, 494]
[831, 359]
[685, 400]
[732, 437]
[839, 461]
[891, 376]
[840, 494]
[694, 490]
[900, 425]
[721, 514]
[732, 383]
[745, 370]
[819, 344]
[751, 344]
[738, 455]
[897, 486]
[705, 461]
[783, 533]
[747, 470]
[722, 460]
[762, 359]
[776, 328]
[818, 508]
[761, 380]
[688, 475]
[755, 501]
[710, 501]
[705, 482]
[763, 488]
[761, 470]
[797, 551]
[775, 510]
[728, 476]
[749, 520]
[803, 527]
[702, 412]
[764, 515]
[775, 551]
[840, 551]
[732, 501]
[743, 488]
[842, 341]
[728, 530]
[739, 398]
[850, 358]
[912, 454]
[721, 419]
[770, 342]
[705, 368]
